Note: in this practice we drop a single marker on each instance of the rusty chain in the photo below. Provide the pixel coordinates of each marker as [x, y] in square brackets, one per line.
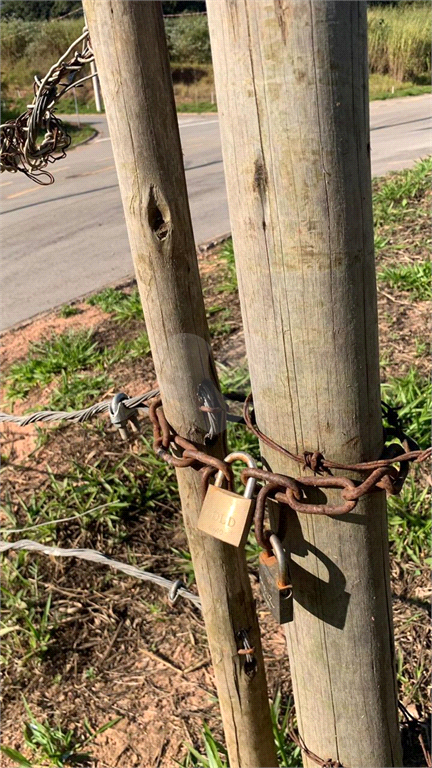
[20, 150]
[383, 475]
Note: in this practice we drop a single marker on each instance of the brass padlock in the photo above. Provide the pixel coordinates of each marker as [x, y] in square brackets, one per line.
[226, 515]
[275, 582]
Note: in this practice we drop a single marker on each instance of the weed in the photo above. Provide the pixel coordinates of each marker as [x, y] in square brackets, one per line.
[53, 745]
[66, 353]
[28, 632]
[123, 306]
[399, 40]
[410, 521]
[79, 390]
[229, 284]
[415, 278]
[136, 348]
[411, 396]
[196, 107]
[398, 195]
[387, 87]
[216, 755]
[68, 310]
[234, 379]
[184, 564]
[221, 325]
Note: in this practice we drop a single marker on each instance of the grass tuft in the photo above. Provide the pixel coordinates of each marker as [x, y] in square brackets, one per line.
[414, 278]
[216, 755]
[400, 193]
[67, 353]
[122, 306]
[411, 396]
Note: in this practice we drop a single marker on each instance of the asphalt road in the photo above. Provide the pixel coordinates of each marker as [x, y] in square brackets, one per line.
[63, 241]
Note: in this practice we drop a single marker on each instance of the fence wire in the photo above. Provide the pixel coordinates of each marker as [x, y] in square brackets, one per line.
[174, 588]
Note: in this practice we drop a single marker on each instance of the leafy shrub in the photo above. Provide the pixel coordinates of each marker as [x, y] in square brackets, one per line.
[188, 39]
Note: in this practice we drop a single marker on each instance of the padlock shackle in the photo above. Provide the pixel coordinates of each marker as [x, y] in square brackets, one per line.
[282, 562]
[249, 461]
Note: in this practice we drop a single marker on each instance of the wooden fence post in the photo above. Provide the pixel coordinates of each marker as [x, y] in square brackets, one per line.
[292, 92]
[128, 39]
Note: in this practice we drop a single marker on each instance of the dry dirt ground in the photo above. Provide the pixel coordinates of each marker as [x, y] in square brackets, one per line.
[118, 648]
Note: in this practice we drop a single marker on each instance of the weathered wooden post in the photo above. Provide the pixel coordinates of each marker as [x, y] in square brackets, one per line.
[292, 91]
[132, 61]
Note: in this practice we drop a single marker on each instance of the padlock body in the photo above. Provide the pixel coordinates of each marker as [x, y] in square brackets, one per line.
[226, 516]
[278, 599]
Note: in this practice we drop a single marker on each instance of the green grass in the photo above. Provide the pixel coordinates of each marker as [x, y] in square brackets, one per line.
[66, 353]
[229, 284]
[122, 306]
[398, 194]
[104, 498]
[414, 278]
[215, 754]
[68, 310]
[79, 390]
[387, 87]
[411, 396]
[53, 746]
[105, 494]
[218, 318]
[399, 40]
[196, 107]
[410, 522]
[79, 364]
[135, 349]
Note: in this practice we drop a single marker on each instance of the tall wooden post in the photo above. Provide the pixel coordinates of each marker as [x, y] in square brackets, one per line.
[132, 60]
[292, 92]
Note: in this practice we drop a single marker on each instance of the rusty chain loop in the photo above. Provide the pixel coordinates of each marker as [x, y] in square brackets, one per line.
[164, 436]
[287, 490]
[21, 147]
[383, 474]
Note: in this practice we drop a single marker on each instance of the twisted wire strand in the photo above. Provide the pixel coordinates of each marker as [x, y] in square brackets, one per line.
[76, 417]
[20, 150]
[94, 556]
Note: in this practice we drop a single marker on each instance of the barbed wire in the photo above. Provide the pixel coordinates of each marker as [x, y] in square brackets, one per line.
[175, 588]
[20, 150]
[76, 417]
[122, 409]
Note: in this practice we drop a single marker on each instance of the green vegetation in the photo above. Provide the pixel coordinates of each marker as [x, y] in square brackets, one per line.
[123, 306]
[399, 194]
[387, 87]
[188, 39]
[68, 310]
[67, 353]
[197, 107]
[53, 746]
[399, 52]
[216, 755]
[399, 40]
[411, 396]
[229, 284]
[107, 497]
[410, 522]
[415, 278]
[77, 390]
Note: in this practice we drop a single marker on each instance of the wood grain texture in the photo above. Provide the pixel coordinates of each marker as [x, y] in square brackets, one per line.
[132, 61]
[292, 91]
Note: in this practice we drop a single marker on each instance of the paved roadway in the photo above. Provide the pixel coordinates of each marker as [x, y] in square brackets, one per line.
[63, 241]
